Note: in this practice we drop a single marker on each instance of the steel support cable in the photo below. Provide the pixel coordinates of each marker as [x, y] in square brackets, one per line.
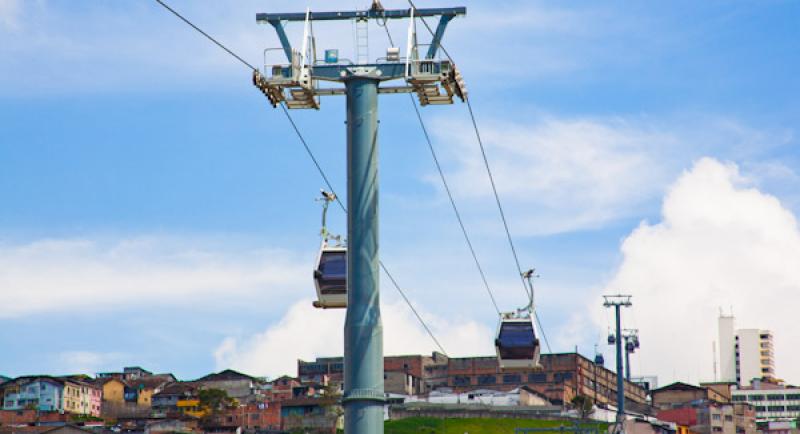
[450, 195]
[344, 209]
[491, 180]
[453, 204]
[199, 30]
[316, 163]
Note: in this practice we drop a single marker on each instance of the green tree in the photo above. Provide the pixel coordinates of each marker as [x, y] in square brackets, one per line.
[584, 405]
[215, 400]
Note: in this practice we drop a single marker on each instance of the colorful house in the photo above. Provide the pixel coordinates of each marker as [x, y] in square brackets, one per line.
[167, 399]
[141, 390]
[113, 390]
[191, 407]
[34, 393]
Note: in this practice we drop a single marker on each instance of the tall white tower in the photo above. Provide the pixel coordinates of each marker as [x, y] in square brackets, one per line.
[727, 349]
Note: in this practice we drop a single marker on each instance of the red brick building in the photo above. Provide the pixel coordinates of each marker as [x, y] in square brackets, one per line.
[561, 377]
[24, 417]
[253, 416]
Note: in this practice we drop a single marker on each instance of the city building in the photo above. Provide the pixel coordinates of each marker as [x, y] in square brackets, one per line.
[239, 386]
[727, 349]
[113, 389]
[45, 393]
[34, 393]
[744, 354]
[772, 401]
[279, 389]
[755, 355]
[140, 390]
[562, 376]
[705, 410]
[129, 373]
[166, 400]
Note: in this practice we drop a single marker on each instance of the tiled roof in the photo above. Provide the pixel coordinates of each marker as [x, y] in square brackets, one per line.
[178, 388]
[226, 375]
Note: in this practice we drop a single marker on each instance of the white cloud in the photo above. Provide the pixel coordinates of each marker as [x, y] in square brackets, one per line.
[58, 275]
[306, 333]
[9, 14]
[560, 174]
[88, 361]
[720, 243]
[567, 174]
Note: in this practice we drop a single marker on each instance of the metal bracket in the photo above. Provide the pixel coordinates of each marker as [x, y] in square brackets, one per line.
[437, 37]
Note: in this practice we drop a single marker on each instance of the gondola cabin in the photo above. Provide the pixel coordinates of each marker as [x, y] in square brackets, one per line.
[330, 277]
[516, 344]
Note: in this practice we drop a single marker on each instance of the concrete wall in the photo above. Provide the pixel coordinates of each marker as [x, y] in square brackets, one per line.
[472, 411]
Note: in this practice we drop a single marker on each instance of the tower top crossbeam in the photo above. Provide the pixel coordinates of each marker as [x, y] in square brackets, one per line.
[297, 83]
[616, 300]
[366, 14]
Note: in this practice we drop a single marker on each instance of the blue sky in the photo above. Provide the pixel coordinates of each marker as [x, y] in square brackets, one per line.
[158, 212]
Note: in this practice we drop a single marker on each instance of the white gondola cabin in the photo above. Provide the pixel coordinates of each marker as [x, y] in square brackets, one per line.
[330, 277]
[330, 271]
[517, 345]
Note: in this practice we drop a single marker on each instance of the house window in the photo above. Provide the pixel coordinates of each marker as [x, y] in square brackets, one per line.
[537, 378]
[739, 398]
[776, 397]
[484, 380]
[512, 378]
[756, 397]
[716, 417]
[461, 380]
[728, 418]
[776, 408]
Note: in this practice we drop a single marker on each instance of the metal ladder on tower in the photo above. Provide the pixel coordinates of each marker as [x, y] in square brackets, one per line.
[362, 41]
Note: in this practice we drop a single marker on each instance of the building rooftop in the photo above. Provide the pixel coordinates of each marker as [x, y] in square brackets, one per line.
[226, 375]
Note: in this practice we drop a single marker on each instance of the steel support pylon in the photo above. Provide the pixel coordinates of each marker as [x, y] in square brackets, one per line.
[620, 373]
[363, 332]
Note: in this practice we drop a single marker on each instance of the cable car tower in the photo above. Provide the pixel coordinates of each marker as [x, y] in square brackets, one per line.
[296, 83]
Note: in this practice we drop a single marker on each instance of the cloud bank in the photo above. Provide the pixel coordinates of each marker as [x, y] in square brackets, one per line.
[306, 333]
[721, 243]
[59, 274]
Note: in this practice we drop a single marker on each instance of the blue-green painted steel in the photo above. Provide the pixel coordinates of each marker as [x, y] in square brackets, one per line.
[437, 37]
[363, 333]
[370, 14]
[287, 47]
[620, 373]
[627, 362]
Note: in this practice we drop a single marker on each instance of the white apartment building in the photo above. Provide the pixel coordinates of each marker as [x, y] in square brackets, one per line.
[744, 354]
[754, 355]
[771, 404]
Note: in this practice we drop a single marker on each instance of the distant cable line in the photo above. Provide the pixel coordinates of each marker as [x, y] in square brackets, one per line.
[316, 163]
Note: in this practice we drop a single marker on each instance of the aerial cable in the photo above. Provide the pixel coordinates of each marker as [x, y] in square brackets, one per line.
[450, 196]
[491, 179]
[453, 204]
[246, 63]
[316, 163]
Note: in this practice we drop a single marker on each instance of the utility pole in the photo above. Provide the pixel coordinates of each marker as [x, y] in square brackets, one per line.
[618, 301]
[296, 85]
